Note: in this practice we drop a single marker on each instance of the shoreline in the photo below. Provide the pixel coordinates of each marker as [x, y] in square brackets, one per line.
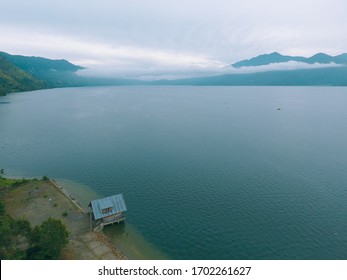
[36, 200]
[68, 196]
[101, 236]
[130, 243]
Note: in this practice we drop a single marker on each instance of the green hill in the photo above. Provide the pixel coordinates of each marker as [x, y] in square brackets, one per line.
[24, 73]
[38, 65]
[14, 79]
[54, 73]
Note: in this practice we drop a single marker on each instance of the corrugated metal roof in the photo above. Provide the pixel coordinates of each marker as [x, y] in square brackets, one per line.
[116, 202]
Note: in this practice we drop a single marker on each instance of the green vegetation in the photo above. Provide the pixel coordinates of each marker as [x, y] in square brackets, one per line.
[14, 79]
[19, 241]
[2, 209]
[47, 240]
[45, 178]
[23, 73]
[20, 182]
[39, 66]
[5, 182]
[14, 236]
[65, 214]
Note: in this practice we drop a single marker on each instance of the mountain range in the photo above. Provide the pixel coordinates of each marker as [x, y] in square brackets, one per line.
[328, 71]
[330, 76]
[23, 73]
[275, 57]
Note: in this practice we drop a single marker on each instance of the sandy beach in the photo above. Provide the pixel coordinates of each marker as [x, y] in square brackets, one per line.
[36, 201]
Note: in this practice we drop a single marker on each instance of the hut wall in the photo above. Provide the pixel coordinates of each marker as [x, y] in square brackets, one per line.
[112, 217]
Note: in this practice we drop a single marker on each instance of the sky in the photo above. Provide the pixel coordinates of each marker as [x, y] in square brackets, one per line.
[170, 39]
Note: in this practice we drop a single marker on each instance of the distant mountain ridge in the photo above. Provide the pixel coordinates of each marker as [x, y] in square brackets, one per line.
[275, 57]
[329, 76]
[22, 73]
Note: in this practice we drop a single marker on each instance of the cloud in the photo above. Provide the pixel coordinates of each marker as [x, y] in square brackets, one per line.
[290, 65]
[101, 59]
[134, 62]
[146, 38]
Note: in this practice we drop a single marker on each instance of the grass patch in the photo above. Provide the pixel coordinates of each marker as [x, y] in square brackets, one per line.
[20, 182]
[65, 214]
[4, 182]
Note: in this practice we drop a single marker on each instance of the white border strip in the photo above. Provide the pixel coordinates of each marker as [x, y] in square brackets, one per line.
[93, 270]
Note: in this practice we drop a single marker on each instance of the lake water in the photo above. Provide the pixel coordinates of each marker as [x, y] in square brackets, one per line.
[206, 172]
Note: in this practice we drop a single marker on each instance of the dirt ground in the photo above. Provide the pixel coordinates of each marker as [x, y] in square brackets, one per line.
[36, 201]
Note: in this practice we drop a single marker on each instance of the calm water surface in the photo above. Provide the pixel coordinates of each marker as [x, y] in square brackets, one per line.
[207, 172]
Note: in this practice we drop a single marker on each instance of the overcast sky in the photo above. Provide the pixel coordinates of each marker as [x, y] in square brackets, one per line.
[152, 38]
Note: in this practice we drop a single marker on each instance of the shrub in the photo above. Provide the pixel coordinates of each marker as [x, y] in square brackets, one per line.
[45, 178]
[47, 240]
[11, 231]
[2, 172]
[2, 208]
[20, 182]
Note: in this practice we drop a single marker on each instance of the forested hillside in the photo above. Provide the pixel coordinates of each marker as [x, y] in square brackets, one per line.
[14, 79]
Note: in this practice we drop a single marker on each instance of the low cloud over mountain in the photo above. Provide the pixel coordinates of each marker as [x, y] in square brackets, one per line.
[277, 61]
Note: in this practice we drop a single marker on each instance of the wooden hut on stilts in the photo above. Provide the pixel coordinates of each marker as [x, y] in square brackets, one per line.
[107, 210]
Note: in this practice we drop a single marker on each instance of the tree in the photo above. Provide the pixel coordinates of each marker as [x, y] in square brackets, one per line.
[47, 240]
[45, 178]
[2, 209]
[12, 231]
[5, 230]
